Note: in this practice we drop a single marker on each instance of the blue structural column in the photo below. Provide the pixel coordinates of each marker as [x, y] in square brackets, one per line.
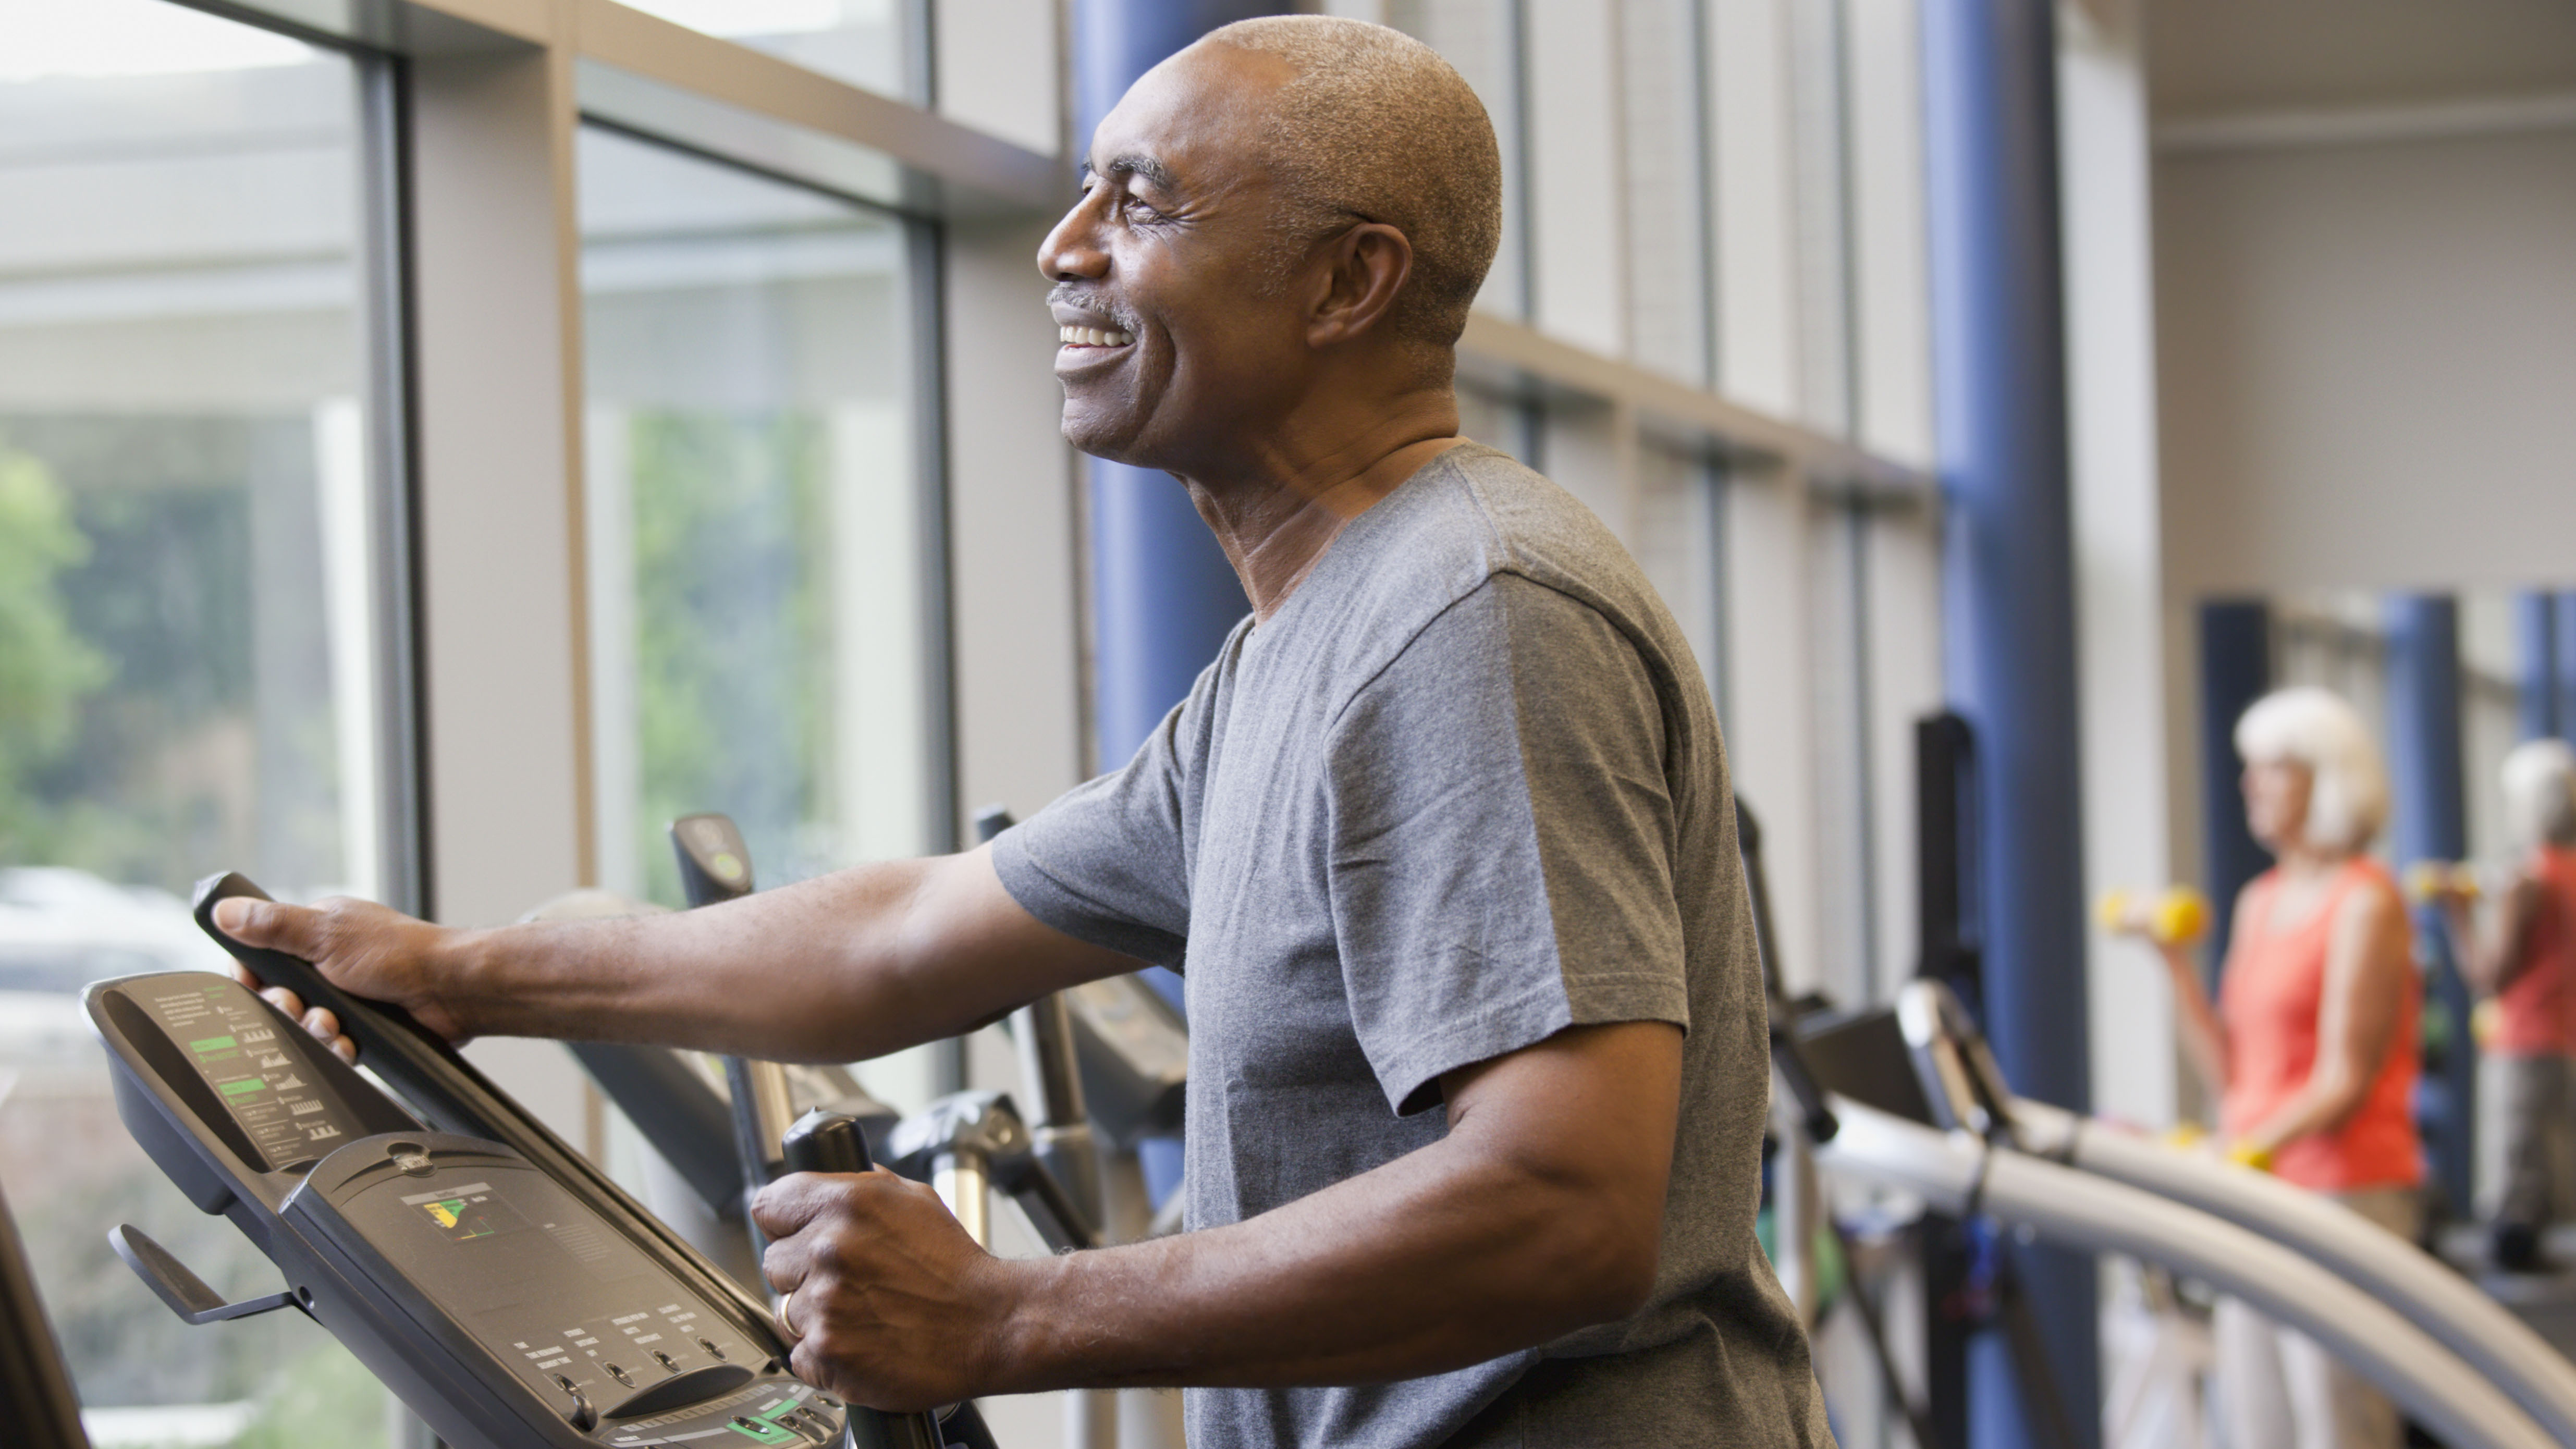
[2235, 671]
[2535, 621]
[1990, 107]
[1162, 594]
[2563, 637]
[2431, 820]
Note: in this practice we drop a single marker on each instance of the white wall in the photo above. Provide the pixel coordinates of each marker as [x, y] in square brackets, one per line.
[2129, 773]
[2366, 353]
[1011, 490]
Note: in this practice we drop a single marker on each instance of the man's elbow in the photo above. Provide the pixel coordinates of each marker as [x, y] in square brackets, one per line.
[1604, 1268]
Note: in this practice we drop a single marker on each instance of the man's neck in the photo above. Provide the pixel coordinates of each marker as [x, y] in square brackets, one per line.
[1276, 517]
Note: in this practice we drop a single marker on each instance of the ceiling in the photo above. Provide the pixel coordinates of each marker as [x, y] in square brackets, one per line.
[2216, 57]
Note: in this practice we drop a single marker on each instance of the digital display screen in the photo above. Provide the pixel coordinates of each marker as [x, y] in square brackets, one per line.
[463, 1214]
[234, 1042]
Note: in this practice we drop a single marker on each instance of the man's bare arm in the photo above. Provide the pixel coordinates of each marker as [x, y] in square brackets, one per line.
[852, 965]
[1540, 1212]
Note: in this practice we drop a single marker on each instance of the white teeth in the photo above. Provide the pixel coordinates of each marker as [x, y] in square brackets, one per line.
[1093, 337]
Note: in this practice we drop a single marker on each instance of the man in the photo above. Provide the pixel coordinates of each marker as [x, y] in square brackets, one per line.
[1442, 839]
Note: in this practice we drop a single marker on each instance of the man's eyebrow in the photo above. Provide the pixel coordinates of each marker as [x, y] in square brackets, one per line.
[1135, 164]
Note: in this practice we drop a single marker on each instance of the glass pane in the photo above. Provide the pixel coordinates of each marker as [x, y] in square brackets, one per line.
[186, 672]
[865, 42]
[1662, 107]
[756, 531]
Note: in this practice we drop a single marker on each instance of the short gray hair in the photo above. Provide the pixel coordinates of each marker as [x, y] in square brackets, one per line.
[2540, 793]
[2347, 784]
[1377, 127]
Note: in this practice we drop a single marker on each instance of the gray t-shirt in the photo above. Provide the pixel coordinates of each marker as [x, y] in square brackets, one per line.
[1464, 790]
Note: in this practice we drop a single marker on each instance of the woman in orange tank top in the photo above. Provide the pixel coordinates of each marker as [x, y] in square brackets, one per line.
[2527, 961]
[2311, 1046]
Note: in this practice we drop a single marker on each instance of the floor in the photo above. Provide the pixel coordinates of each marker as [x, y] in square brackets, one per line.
[2547, 1301]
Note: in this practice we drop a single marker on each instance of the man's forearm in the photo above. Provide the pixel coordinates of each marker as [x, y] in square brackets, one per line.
[803, 971]
[841, 968]
[1446, 1257]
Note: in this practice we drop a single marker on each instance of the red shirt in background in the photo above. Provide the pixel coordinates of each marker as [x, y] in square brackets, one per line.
[2270, 1000]
[2537, 1009]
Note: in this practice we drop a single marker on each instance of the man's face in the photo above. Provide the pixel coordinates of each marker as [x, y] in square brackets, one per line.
[1172, 340]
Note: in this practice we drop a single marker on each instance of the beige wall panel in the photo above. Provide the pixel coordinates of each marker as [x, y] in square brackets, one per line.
[1575, 169]
[1905, 685]
[1757, 278]
[1893, 371]
[493, 339]
[1771, 725]
[1012, 528]
[2129, 772]
[496, 500]
[2365, 359]
[998, 62]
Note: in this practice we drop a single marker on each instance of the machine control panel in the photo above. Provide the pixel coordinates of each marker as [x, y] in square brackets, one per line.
[535, 1277]
[506, 1308]
[285, 1110]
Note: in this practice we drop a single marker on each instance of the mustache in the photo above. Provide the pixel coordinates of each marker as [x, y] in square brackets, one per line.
[1065, 294]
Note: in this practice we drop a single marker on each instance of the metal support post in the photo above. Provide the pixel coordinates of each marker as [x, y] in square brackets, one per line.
[1999, 383]
[2431, 819]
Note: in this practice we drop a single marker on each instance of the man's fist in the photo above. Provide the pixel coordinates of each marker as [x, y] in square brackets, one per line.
[888, 1301]
[363, 948]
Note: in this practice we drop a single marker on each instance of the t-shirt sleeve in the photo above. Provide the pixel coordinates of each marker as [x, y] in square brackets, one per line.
[1502, 839]
[1108, 861]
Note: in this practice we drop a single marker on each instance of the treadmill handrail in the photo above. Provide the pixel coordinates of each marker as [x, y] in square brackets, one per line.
[1958, 1173]
[2418, 1285]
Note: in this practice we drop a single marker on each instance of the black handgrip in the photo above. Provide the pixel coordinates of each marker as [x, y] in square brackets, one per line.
[990, 821]
[456, 1097]
[415, 1061]
[824, 1141]
[714, 863]
[1818, 1117]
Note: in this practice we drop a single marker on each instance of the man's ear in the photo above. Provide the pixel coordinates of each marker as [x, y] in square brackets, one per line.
[1364, 269]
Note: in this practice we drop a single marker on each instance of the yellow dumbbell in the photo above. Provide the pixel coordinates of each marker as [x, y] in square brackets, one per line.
[2247, 1155]
[2174, 916]
[2433, 880]
[2486, 1023]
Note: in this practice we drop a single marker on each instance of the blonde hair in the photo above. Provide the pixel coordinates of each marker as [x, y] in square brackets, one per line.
[2347, 784]
[2540, 793]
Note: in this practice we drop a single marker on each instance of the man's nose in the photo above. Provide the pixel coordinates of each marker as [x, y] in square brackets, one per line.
[1073, 250]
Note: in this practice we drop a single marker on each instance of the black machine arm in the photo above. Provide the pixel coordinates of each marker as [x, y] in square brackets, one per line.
[1051, 1073]
[715, 867]
[1787, 1056]
[36, 1399]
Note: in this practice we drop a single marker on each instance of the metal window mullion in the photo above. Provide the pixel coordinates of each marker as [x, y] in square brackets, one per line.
[385, 297]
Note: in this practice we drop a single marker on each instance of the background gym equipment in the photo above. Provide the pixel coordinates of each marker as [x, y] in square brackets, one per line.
[1962, 1173]
[1967, 1092]
[1051, 1075]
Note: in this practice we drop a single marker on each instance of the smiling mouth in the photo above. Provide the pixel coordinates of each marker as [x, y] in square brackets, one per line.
[1093, 337]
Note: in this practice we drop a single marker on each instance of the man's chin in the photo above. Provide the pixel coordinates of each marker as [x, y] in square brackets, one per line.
[1111, 441]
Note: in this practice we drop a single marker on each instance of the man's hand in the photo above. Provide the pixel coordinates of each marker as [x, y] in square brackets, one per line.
[889, 1303]
[364, 948]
